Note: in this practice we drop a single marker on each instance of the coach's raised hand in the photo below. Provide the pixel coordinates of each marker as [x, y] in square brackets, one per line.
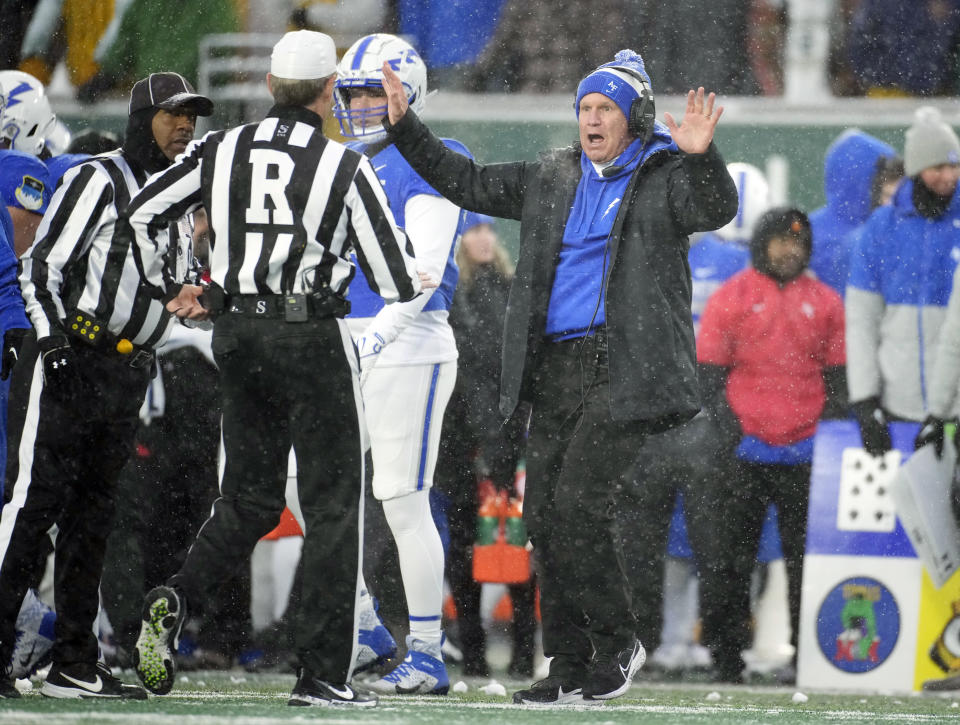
[396, 97]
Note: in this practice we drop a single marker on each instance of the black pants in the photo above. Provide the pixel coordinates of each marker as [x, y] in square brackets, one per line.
[286, 384]
[169, 486]
[684, 459]
[63, 462]
[740, 501]
[578, 459]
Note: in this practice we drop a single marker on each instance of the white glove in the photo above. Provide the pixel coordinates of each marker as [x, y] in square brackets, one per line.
[369, 346]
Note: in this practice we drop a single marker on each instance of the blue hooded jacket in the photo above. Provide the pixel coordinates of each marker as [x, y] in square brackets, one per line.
[850, 165]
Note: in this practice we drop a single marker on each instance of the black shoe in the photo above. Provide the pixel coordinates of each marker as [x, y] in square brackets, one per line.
[88, 680]
[311, 691]
[8, 690]
[553, 690]
[164, 612]
[610, 675]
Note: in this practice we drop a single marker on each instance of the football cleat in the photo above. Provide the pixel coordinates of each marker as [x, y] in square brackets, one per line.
[375, 644]
[164, 612]
[422, 672]
[35, 636]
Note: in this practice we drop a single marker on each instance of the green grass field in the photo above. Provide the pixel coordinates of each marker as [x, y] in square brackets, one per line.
[239, 698]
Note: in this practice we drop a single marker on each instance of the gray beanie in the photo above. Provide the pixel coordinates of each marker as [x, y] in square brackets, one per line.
[929, 142]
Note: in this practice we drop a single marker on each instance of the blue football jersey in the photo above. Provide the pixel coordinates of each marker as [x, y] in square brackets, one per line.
[401, 183]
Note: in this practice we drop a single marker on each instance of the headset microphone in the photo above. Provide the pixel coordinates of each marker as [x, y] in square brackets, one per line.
[614, 170]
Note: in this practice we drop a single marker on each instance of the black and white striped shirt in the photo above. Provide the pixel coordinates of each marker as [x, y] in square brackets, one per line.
[284, 204]
[82, 258]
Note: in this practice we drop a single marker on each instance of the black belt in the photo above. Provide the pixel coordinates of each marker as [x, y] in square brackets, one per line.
[278, 306]
[597, 334]
[575, 345]
[94, 333]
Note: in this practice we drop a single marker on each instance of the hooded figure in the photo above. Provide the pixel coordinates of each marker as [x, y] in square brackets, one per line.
[170, 93]
[783, 265]
[850, 166]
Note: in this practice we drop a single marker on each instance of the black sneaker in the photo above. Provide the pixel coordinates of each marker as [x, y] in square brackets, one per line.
[163, 614]
[8, 690]
[312, 691]
[552, 690]
[88, 680]
[610, 675]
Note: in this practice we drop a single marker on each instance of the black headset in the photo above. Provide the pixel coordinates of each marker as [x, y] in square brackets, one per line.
[643, 112]
[642, 118]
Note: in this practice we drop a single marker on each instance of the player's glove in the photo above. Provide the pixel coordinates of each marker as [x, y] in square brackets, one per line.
[369, 347]
[12, 342]
[873, 426]
[61, 373]
[930, 432]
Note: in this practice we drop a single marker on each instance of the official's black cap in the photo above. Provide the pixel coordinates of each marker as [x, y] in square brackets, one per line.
[167, 91]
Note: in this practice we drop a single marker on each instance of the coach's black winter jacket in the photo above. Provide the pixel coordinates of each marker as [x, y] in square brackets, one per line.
[652, 359]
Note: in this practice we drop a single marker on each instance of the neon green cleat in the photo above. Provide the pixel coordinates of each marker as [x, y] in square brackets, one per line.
[163, 615]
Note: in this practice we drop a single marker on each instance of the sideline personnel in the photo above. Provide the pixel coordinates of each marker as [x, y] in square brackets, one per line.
[80, 382]
[285, 206]
[598, 336]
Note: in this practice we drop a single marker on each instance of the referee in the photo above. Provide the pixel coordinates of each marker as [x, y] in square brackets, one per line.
[286, 207]
[80, 382]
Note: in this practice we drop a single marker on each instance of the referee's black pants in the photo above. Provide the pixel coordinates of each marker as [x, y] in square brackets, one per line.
[63, 463]
[286, 384]
[578, 459]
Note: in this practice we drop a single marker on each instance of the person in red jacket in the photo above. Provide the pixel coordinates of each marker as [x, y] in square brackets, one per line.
[771, 361]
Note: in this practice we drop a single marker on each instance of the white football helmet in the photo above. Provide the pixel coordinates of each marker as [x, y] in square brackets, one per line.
[362, 67]
[58, 139]
[27, 118]
[754, 193]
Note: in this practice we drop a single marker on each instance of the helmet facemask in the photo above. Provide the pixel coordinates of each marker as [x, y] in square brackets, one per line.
[362, 68]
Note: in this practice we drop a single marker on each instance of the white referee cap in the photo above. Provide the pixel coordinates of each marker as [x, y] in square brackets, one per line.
[303, 55]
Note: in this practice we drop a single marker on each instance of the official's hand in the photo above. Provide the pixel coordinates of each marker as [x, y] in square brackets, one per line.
[61, 371]
[695, 132]
[396, 97]
[186, 304]
[930, 432]
[12, 342]
[873, 426]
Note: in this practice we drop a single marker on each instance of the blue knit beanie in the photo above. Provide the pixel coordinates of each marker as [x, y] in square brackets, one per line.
[621, 88]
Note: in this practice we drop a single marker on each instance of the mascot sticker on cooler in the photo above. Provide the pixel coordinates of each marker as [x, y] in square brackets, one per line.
[858, 625]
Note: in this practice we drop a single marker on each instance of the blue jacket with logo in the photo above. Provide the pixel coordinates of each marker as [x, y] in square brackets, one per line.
[901, 274]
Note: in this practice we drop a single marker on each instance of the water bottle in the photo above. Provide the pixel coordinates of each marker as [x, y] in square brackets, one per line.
[488, 522]
[515, 529]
